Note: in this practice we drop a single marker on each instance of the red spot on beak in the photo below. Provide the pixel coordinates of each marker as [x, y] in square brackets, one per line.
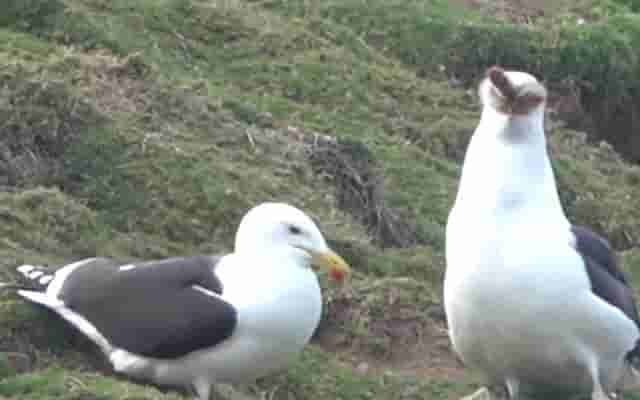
[337, 274]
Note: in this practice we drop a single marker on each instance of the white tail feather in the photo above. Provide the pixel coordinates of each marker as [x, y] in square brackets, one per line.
[75, 319]
[25, 269]
[41, 298]
[37, 274]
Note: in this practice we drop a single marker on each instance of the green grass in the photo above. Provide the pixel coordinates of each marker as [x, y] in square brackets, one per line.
[146, 129]
[56, 383]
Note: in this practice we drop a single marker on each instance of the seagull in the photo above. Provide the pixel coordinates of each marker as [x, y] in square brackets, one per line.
[197, 321]
[533, 302]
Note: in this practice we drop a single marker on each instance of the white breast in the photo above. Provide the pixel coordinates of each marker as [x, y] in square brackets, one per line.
[519, 304]
[279, 308]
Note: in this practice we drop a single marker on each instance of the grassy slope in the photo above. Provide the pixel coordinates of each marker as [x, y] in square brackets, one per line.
[147, 128]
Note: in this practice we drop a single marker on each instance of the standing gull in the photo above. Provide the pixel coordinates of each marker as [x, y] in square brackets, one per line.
[197, 321]
[534, 303]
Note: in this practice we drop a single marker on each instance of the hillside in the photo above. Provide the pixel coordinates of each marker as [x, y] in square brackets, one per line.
[143, 129]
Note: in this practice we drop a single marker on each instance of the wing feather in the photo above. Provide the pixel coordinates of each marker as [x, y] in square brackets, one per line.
[153, 308]
[607, 279]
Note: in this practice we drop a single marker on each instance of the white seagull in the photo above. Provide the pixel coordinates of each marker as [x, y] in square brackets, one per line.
[534, 303]
[197, 321]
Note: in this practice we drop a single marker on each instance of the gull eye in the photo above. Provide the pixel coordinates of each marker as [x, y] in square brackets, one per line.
[294, 230]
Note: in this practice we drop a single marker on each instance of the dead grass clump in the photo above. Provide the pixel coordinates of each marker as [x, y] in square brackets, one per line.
[113, 84]
[127, 88]
[360, 191]
[39, 118]
[389, 321]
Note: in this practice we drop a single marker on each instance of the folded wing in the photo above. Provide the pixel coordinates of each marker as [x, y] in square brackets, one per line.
[160, 309]
[607, 279]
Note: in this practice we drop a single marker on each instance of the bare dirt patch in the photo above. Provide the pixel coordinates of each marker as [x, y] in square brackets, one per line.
[389, 326]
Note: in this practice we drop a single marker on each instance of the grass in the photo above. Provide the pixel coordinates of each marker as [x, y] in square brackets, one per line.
[146, 129]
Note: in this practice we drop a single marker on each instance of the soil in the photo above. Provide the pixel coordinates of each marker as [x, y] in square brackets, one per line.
[399, 345]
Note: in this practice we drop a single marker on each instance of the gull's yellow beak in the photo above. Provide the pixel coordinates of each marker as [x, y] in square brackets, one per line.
[337, 267]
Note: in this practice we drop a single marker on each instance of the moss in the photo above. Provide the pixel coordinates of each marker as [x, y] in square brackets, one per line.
[55, 383]
[634, 5]
[50, 222]
[319, 376]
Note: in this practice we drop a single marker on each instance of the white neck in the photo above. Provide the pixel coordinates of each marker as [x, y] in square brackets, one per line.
[507, 167]
[262, 271]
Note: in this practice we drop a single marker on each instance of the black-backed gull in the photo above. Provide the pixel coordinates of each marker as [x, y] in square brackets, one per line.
[201, 320]
[533, 302]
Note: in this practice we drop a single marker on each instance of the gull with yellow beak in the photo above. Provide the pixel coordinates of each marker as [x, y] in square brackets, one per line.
[202, 320]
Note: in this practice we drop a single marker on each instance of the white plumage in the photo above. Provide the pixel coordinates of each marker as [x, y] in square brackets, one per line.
[518, 298]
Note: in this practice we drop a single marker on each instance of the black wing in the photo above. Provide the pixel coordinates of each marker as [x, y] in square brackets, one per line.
[152, 309]
[607, 279]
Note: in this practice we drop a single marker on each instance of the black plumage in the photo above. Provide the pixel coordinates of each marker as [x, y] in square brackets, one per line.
[607, 279]
[152, 309]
